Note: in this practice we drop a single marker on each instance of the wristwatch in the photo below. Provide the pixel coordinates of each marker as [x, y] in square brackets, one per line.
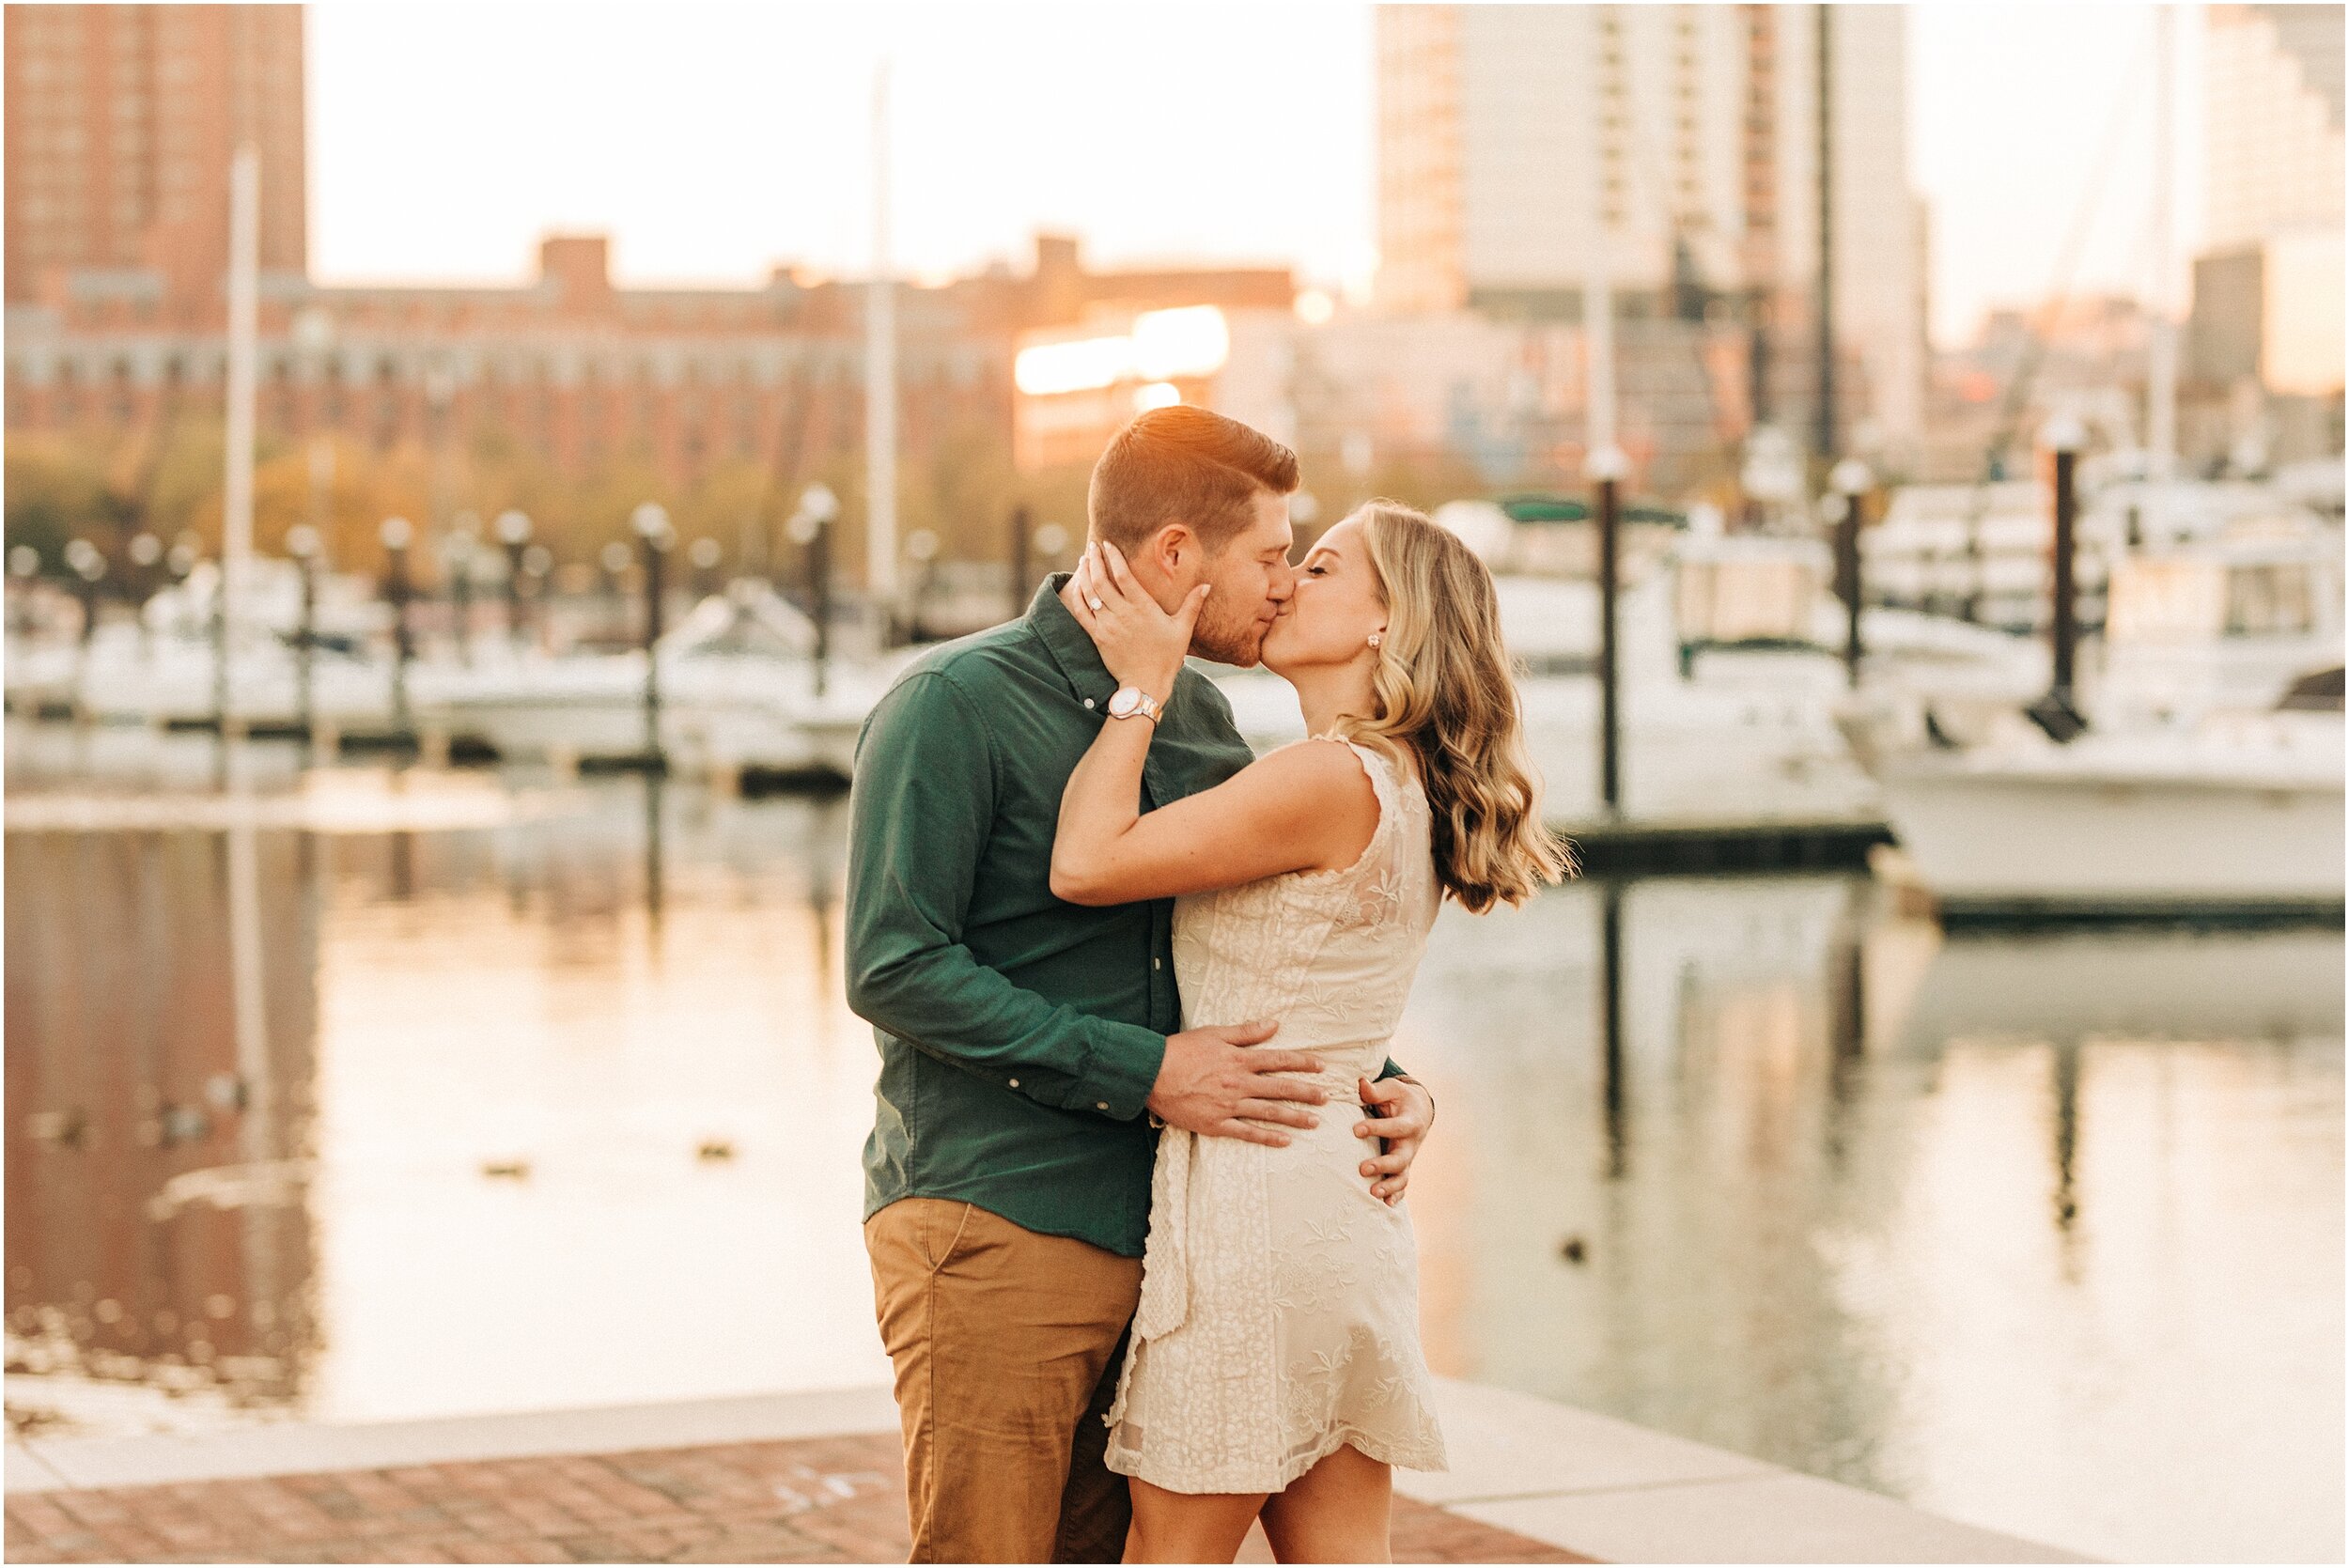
[1127, 702]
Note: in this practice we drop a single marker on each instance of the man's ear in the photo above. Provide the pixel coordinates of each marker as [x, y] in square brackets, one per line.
[1173, 548]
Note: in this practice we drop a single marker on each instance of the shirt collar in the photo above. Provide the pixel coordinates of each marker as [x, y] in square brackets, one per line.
[1069, 643]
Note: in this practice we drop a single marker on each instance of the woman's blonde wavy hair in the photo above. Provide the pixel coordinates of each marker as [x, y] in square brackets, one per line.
[1442, 687]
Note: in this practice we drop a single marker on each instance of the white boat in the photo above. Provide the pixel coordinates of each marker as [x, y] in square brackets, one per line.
[2223, 622]
[2237, 811]
[1983, 548]
[736, 685]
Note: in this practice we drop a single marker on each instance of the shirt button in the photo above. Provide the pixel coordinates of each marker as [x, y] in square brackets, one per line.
[1156, 964]
[1088, 702]
[1015, 1084]
[1100, 1105]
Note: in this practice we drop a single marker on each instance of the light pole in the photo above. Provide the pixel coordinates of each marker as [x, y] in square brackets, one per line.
[810, 527]
[302, 543]
[23, 566]
[1051, 539]
[2064, 439]
[1021, 528]
[651, 521]
[1850, 481]
[147, 550]
[538, 560]
[457, 554]
[179, 561]
[513, 531]
[90, 566]
[613, 559]
[922, 549]
[396, 535]
[702, 553]
[1606, 467]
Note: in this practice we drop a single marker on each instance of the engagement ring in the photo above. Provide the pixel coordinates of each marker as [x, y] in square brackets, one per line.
[1094, 602]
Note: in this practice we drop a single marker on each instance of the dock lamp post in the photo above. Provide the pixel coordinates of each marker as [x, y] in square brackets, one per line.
[23, 566]
[89, 566]
[1848, 484]
[702, 553]
[612, 558]
[810, 528]
[396, 535]
[457, 554]
[1050, 540]
[513, 531]
[922, 549]
[302, 543]
[179, 560]
[146, 554]
[538, 561]
[651, 523]
[1606, 468]
[2064, 438]
[1022, 526]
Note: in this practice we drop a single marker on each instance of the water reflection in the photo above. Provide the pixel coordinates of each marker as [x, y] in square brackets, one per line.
[2039, 1232]
[566, 1106]
[159, 1232]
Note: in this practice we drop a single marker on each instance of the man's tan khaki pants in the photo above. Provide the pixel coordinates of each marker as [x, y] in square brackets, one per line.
[1007, 1346]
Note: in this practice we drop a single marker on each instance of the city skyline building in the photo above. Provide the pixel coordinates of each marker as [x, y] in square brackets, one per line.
[122, 124]
[1510, 137]
[2268, 284]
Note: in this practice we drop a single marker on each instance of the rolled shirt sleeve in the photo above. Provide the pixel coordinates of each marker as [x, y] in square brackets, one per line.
[919, 820]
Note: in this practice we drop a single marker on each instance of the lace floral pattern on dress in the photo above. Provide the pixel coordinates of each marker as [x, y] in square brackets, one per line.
[1279, 1315]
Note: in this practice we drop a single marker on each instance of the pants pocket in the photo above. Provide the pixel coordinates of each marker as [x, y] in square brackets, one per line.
[942, 1232]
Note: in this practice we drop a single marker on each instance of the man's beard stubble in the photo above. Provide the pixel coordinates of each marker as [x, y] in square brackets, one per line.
[1227, 642]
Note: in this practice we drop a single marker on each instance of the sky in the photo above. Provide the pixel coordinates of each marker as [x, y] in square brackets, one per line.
[714, 142]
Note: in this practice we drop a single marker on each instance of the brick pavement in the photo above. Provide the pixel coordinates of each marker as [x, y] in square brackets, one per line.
[822, 1499]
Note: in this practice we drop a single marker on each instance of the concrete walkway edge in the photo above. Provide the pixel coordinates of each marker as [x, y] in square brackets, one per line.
[1574, 1480]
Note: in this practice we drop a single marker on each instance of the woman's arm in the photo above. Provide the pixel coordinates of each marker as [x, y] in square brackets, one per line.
[1304, 807]
[1307, 807]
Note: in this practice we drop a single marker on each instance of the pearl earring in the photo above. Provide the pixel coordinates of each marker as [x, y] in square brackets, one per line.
[1376, 639]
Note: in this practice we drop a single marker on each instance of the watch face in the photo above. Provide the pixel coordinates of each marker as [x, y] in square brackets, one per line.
[1124, 701]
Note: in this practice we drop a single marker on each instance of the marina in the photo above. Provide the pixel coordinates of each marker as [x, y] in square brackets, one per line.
[1912, 1132]
[566, 1064]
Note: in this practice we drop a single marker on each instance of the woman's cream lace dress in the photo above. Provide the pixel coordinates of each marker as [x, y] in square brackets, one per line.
[1280, 1300]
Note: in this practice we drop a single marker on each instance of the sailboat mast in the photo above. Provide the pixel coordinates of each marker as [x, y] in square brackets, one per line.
[244, 213]
[1826, 119]
[880, 376]
[2161, 370]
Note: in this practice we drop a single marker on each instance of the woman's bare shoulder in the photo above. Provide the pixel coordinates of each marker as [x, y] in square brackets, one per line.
[1324, 786]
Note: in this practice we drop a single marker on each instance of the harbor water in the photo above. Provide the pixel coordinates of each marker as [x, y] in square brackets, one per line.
[557, 1102]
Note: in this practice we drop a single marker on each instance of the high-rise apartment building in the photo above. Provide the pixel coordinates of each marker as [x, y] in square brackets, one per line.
[2273, 157]
[122, 124]
[1513, 139]
[2268, 294]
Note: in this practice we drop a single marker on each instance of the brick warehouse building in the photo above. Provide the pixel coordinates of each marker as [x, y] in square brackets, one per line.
[117, 301]
[569, 363]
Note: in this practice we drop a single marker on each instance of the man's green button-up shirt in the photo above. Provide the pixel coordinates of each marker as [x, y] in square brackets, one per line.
[1019, 1035]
